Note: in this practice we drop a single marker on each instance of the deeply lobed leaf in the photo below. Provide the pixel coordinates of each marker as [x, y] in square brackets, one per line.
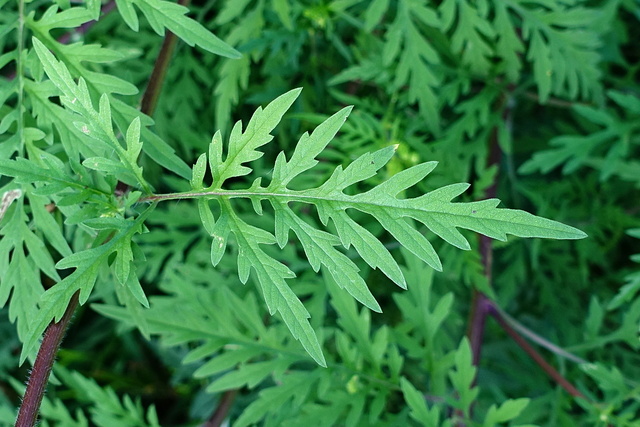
[435, 210]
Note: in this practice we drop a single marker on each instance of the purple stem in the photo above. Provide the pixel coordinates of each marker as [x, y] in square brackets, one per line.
[39, 377]
[537, 357]
[220, 414]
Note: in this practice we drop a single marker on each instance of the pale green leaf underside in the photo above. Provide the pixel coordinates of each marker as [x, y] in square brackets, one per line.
[435, 210]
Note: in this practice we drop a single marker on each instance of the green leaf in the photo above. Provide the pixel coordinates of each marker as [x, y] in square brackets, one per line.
[199, 169]
[283, 10]
[417, 405]
[374, 13]
[172, 16]
[542, 66]
[434, 210]
[26, 172]
[415, 60]
[472, 35]
[242, 145]
[307, 149]
[464, 376]
[87, 265]
[107, 406]
[47, 224]
[271, 276]
[134, 145]
[296, 384]
[98, 125]
[319, 247]
[128, 13]
[122, 263]
[507, 411]
[248, 375]
[39, 253]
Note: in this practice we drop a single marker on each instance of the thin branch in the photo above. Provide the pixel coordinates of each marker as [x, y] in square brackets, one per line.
[532, 336]
[478, 312]
[152, 93]
[220, 414]
[556, 102]
[477, 321]
[41, 371]
[550, 370]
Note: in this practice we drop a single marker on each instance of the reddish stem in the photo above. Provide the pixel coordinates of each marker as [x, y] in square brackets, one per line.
[152, 93]
[226, 401]
[478, 313]
[550, 370]
[41, 371]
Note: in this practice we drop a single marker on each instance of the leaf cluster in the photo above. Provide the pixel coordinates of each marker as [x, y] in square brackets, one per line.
[317, 260]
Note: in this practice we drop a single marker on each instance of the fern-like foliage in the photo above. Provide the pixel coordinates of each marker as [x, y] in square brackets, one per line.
[434, 210]
[556, 44]
[90, 142]
[608, 145]
[103, 405]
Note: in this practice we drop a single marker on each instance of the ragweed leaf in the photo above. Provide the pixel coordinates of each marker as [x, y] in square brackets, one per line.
[242, 145]
[87, 264]
[98, 123]
[271, 275]
[435, 210]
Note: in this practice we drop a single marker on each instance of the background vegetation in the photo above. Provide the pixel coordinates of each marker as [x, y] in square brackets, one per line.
[534, 102]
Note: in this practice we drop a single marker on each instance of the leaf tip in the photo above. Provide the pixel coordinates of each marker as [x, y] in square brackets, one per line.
[233, 54]
[578, 234]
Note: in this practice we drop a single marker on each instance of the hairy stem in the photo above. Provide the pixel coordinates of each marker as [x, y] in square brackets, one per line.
[41, 371]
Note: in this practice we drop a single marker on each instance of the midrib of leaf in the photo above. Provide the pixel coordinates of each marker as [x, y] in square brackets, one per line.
[20, 71]
[204, 332]
[345, 202]
[256, 134]
[534, 20]
[48, 178]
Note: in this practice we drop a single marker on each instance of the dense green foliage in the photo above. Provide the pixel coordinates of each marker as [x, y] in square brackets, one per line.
[320, 261]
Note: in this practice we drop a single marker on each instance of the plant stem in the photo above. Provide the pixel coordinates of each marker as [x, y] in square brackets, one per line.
[550, 370]
[222, 410]
[41, 371]
[478, 312]
[481, 304]
[477, 320]
[152, 93]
